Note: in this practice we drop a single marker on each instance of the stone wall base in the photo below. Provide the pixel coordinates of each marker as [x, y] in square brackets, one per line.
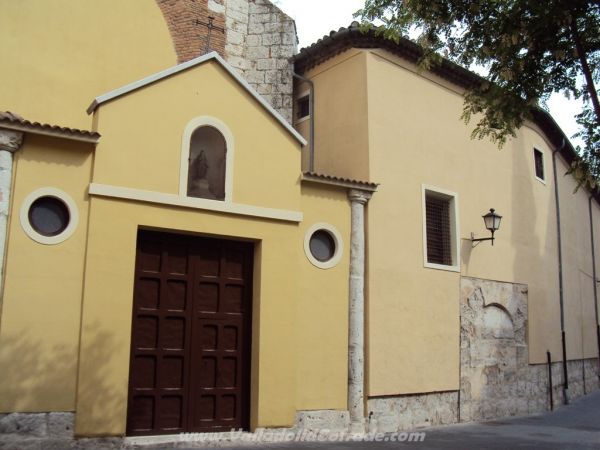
[36, 431]
[531, 396]
[332, 420]
[48, 431]
[405, 412]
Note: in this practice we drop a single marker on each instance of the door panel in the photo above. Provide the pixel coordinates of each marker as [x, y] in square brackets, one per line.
[190, 354]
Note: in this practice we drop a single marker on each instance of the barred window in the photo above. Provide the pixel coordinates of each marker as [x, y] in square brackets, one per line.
[303, 107]
[440, 229]
[538, 158]
[439, 238]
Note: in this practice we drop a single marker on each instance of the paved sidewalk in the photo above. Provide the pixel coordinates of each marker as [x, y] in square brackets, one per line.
[572, 427]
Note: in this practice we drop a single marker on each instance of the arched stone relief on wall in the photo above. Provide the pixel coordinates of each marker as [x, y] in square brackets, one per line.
[494, 356]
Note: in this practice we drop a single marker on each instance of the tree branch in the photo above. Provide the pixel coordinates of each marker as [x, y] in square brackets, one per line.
[589, 79]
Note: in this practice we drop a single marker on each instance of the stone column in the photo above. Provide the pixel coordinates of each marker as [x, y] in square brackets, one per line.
[10, 142]
[356, 337]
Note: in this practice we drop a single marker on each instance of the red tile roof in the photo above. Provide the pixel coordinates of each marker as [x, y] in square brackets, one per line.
[348, 182]
[13, 121]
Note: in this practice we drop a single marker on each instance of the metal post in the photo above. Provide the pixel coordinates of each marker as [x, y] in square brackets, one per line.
[595, 279]
[560, 279]
[550, 386]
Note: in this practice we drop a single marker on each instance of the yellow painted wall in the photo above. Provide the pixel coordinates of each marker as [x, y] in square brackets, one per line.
[106, 327]
[341, 110]
[39, 331]
[58, 55]
[416, 137]
[152, 139]
[323, 308]
[141, 148]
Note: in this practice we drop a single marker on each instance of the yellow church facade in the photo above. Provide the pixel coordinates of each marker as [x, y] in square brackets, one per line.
[257, 238]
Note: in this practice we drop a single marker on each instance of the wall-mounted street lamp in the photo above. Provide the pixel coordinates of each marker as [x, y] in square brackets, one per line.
[492, 223]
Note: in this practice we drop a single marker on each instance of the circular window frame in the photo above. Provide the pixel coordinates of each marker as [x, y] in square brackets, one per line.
[337, 240]
[59, 195]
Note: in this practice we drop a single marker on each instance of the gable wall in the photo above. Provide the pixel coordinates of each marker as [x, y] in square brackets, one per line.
[265, 154]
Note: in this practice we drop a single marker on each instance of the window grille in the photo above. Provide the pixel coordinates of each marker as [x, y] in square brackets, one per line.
[439, 233]
[539, 163]
[303, 107]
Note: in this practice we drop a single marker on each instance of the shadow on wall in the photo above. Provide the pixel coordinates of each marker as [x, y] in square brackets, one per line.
[100, 402]
[33, 375]
[37, 382]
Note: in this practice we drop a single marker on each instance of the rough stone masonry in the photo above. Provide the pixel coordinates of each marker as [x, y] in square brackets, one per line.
[258, 41]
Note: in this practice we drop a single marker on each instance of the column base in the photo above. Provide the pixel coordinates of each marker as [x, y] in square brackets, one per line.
[357, 427]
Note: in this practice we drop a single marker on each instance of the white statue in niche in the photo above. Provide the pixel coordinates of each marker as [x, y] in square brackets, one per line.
[207, 161]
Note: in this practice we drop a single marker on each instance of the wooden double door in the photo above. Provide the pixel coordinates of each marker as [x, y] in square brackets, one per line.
[190, 350]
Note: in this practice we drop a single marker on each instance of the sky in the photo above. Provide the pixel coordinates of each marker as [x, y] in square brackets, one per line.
[316, 18]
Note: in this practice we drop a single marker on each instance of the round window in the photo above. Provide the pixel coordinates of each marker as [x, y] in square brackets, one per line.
[323, 246]
[49, 216]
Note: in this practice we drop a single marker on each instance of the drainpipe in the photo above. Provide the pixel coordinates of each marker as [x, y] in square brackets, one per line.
[595, 279]
[560, 278]
[356, 338]
[311, 112]
[10, 142]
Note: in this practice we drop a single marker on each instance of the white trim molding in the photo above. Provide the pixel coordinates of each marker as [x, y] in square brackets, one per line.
[187, 65]
[193, 125]
[452, 197]
[105, 190]
[541, 152]
[63, 197]
[337, 240]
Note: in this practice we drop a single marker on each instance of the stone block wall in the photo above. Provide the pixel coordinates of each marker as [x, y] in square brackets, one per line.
[405, 412]
[496, 377]
[258, 42]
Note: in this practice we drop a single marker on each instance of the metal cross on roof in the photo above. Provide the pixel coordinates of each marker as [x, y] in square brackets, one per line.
[210, 27]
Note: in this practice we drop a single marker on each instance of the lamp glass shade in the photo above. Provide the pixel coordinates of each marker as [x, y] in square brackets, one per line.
[492, 220]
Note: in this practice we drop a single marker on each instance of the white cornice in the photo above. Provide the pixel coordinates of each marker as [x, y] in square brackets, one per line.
[105, 190]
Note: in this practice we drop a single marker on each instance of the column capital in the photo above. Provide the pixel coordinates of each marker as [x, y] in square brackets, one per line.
[358, 196]
[10, 140]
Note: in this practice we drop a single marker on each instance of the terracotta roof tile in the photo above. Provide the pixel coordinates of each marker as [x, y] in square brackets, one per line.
[14, 121]
[343, 181]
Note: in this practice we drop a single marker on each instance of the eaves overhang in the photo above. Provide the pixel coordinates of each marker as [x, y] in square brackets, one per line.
[344, 39]
[14, 122]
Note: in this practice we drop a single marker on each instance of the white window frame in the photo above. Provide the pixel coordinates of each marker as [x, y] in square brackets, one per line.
[541, 180]
[338, 242]
[454, 227]
[63, 197]
[192, 126]
[303, 94]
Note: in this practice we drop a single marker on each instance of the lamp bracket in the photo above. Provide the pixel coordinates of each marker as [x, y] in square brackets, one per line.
[473, 239]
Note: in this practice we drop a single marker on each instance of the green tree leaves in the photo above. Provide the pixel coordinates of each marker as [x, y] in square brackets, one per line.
[531, 49]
